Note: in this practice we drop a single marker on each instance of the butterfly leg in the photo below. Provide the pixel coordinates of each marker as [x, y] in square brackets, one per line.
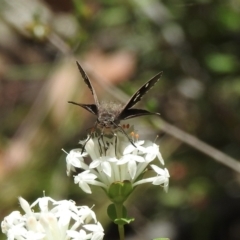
[88, 138]
[115, 136]
[102, 143]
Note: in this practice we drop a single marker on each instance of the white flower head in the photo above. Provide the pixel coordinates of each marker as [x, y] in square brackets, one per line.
[116, 159]
[56, 220]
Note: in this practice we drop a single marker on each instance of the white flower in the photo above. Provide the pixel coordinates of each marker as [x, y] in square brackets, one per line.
[131, 160]
[129, 148]
[81, 235]
[96, 229]
[75, 160]
[61, 220]
[84, 179]
[87, 215]
[115, 160]
[103, 163]
[152, 151]
[162, 178]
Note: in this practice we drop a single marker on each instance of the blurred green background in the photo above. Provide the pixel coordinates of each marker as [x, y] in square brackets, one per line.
[122, 44]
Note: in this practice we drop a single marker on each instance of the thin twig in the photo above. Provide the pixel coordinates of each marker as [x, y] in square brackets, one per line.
[197, 144]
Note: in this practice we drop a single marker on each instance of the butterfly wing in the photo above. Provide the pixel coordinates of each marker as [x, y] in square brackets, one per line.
[137, 97]
[132, 113]
[87, 81]
[92, 108]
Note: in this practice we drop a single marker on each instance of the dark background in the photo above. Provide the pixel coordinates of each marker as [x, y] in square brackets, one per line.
[121, 45]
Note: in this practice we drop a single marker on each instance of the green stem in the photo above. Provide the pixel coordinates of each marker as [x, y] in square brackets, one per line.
[121, 232]
[119, 209]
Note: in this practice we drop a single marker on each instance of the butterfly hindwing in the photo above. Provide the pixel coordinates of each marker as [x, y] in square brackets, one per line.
[92, 108]
[132, 113]
[139, 94]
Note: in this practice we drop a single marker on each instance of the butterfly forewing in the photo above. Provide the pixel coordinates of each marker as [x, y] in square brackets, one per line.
[87, 81]
[137, 97]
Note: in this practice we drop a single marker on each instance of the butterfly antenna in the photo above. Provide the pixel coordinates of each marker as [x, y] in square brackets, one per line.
[122, 130]
[84, 145]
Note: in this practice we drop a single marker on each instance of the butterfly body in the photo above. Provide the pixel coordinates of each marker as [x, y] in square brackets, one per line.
[109, 114]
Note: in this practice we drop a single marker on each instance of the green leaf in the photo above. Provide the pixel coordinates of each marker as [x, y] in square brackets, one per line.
[112, 214]
[123, 221]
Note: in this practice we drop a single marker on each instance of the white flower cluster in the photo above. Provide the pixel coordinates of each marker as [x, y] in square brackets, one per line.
[121, 161]
[64, 221]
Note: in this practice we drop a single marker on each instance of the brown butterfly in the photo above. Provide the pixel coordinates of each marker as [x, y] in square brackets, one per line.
[109, 115]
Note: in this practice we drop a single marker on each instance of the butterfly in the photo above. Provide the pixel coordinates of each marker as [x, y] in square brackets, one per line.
[109, 115]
